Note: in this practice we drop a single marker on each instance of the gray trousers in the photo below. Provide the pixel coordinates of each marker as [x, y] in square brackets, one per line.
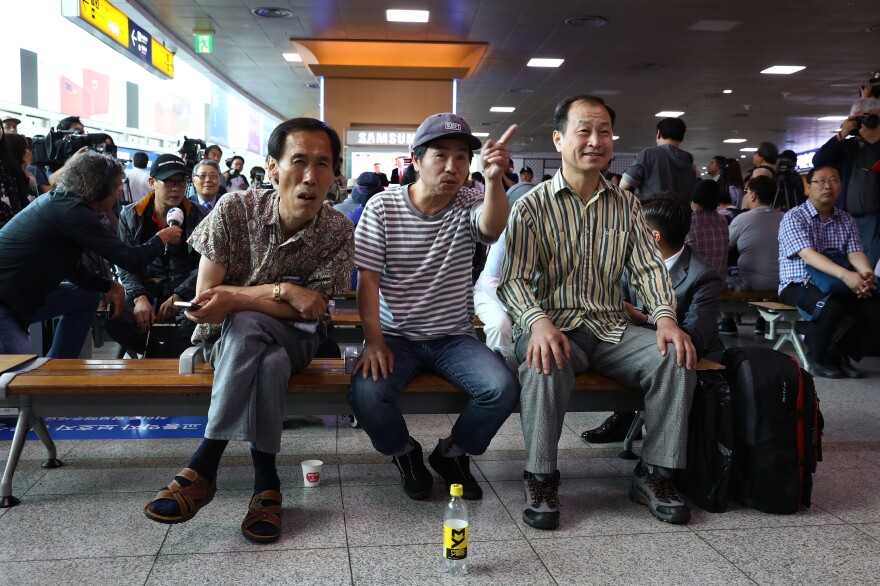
[634, 362]
[253, 361]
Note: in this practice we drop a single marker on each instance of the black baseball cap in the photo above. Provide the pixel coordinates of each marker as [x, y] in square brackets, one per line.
[446, 125]
[167, 166]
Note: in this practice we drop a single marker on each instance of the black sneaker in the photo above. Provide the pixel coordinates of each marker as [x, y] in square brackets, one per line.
[727, 327]
[417, 480]
[660, 496]
[456, 470]
[541, 509]
[760, 327]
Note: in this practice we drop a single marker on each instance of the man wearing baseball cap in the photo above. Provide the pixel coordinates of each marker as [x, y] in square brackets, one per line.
[10, 125]
[151, 290]
[413, 246]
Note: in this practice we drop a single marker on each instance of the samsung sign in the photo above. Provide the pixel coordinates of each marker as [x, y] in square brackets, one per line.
[401, 138]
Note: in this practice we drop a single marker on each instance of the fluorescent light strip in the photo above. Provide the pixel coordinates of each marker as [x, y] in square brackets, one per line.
[615, 137]
[726, 91]
[406, 15]
[536, 62]
[480, 134]
[502, 109]
[784, 69]
[748, 150]
[669, 114]
[832, 118]
[292, 57]
[734, 140]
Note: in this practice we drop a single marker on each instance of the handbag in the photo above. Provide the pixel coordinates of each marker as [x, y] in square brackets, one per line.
[826, 284]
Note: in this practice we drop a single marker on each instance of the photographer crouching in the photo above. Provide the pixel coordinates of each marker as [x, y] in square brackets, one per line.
[41, 276]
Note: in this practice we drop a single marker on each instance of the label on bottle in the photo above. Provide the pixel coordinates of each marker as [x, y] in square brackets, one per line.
[455, 539]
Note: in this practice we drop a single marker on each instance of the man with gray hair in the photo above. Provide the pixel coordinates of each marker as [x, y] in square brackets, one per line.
[206, 179]
[855, 152]
[42, 246]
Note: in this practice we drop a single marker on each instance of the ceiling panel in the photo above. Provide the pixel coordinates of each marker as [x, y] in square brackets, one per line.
[828, 37]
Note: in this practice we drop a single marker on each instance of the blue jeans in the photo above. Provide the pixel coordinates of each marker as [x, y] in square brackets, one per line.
[77, 308]
[462, 360]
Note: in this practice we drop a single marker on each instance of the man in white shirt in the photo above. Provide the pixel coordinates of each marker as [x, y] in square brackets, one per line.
[138, 177]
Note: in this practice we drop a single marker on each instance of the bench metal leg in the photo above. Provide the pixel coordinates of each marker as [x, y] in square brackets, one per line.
[39, 427]
[627, 453]
[21, 430]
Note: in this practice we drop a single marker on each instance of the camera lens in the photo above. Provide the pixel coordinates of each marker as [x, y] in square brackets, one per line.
[870, 120]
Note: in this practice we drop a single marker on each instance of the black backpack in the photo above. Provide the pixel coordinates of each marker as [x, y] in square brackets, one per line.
[777, 429]
[709, 445]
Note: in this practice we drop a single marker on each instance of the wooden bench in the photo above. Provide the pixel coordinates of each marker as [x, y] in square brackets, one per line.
[774, 312]
[739, 301]
[155, 387]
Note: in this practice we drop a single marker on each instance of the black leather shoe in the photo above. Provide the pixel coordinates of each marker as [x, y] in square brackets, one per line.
[823, 370]
[612, 429]
[843, 363]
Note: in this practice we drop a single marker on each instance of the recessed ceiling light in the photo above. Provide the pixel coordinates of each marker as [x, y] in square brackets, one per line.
[536, 62]
[480, 134]
[784, 69]
[614, 137]
[748, 150]
[832, 118]
[502, 109]
[669, 114]
[406, 15]
[726, 91]
[734, 140]
[742, 156]
[292, 57]
[586, 21]
[268, 12]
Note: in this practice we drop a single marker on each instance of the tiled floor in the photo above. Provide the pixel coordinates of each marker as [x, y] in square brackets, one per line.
[83, 523]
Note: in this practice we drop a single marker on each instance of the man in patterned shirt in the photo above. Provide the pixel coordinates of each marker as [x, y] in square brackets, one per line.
[414, 245]
[807, 235]
[568, 242]
[270, 261]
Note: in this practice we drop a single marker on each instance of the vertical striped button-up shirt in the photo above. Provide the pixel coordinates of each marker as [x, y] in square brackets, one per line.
[565, 257]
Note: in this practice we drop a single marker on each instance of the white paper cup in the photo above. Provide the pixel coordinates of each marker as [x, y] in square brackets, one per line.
[312, 472]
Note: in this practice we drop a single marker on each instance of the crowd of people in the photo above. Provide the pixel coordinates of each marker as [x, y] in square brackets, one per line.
[582, 274]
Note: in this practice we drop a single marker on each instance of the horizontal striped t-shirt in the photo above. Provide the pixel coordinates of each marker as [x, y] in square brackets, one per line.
[425, 288]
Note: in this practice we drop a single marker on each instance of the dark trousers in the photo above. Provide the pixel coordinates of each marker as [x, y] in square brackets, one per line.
[855, 342]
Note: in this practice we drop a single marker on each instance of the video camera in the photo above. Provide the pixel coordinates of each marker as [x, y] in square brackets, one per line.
[192, 151]
[58, 146]
[869, 120]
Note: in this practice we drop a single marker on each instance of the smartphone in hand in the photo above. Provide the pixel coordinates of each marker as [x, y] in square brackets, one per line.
[188, 305]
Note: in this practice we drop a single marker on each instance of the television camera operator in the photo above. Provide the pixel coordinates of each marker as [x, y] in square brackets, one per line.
[150, 323]
[43, 245]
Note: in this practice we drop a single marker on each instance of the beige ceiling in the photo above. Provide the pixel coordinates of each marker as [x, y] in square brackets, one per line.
[827, 36]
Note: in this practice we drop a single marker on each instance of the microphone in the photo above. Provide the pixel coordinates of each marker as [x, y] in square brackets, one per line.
[174, 217]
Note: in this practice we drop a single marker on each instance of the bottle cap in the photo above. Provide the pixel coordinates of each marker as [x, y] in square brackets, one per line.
[455, 490]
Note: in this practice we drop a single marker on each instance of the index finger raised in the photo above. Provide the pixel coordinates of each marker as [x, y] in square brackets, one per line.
[508, 134]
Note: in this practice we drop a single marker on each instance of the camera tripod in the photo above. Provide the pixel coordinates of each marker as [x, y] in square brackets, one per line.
[789, 196]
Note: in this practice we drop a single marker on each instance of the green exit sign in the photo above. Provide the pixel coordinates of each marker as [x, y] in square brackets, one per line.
[204, 43]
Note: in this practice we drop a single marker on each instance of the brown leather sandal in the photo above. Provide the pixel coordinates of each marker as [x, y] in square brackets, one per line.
[190, 499]
[257, 512]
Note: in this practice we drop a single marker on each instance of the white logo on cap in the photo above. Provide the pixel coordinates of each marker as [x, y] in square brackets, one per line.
[453, 126]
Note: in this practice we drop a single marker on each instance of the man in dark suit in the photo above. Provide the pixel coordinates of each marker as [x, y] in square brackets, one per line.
[697, 286]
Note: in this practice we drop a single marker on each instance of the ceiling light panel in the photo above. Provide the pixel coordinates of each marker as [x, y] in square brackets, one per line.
[832, 118]
[407, 15]
[784, 69]
[292, 57]
[536, 62]
[748, 150]
[734, 140]
[502, 109]
[669, 114]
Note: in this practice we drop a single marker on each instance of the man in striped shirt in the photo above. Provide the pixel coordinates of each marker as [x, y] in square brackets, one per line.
[413, 247]
[568, 242]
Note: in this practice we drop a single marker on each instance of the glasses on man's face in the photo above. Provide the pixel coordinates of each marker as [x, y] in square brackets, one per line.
[832, 181]
[206, 176]
[174, 183]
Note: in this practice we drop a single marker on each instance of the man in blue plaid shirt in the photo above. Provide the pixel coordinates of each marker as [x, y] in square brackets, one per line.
[809, 233]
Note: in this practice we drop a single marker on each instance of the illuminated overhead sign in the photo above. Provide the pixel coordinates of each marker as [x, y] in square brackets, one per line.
[122, 33]
[401, 138]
